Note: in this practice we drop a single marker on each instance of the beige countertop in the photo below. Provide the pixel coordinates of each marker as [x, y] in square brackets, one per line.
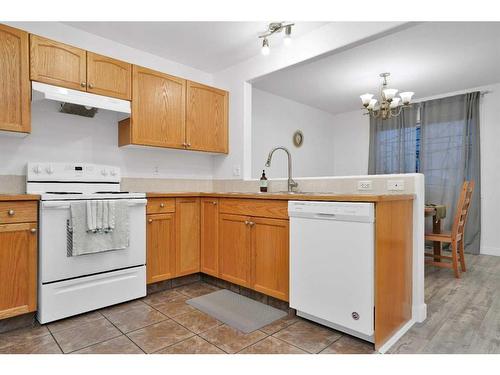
[288, 196]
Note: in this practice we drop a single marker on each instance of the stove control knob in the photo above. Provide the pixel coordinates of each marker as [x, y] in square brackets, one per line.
[37, 169]
[104, 172]
[112, 172]
[49, 169]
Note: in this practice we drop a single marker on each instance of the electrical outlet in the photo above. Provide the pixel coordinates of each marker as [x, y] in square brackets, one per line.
[156, 170]
[237, 171]
[365, 185]
[395, 185]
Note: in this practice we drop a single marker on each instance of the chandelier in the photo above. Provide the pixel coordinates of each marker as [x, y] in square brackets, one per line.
[390, 105]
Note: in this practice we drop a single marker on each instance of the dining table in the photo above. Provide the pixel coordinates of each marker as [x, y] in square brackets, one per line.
[438, 213]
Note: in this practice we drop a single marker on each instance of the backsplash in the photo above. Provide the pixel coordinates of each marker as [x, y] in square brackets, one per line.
[12, 184]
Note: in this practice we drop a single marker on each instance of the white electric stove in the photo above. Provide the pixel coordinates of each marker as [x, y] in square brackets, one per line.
[71, 285]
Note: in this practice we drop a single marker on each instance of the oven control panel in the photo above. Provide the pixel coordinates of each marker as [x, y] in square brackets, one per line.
[72, 172]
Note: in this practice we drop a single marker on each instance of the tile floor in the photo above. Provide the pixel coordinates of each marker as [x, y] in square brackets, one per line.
[163, 323]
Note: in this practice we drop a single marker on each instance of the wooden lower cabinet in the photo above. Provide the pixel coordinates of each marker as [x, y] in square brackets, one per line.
[270, 257]
[234, 249]
[254, 252]
[18, 269]
[187, 217]
[210, 236]
[160, 247]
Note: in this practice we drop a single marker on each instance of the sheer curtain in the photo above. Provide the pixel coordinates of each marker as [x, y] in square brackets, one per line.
[393, 144]
[450, 154]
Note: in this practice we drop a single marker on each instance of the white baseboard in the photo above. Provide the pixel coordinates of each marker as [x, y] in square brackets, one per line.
[419, 313]
[384, 348]
[487, 250]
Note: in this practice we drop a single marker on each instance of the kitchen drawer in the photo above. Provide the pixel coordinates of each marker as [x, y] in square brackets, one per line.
[18, 212]
[276, 209]
[160, 205]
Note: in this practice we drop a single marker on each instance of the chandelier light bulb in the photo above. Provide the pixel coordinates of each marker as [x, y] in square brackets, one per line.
[406, 97]
[372, 103]
[265, 47]
[395, 103]
[365, 99]
[389, 94]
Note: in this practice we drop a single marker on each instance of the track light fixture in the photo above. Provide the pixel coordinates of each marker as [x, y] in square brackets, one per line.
[273, 28]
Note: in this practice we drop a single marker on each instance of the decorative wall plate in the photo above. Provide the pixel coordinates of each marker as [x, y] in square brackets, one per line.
[298, 138]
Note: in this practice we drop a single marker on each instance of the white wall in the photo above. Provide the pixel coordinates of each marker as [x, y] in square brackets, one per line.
[351, 137]
[60, 137]
[274, 120]
[490, 170]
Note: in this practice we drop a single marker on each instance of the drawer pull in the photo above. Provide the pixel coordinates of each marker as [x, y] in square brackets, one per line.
[214, 203]
[162, 205]
[33, 230]
[11, 212]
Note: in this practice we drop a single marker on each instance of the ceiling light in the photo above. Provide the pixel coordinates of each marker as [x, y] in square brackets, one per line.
[265, 47]
[276, 27]
[390, 105]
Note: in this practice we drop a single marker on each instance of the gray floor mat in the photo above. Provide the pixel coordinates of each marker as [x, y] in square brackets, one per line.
[237, 311]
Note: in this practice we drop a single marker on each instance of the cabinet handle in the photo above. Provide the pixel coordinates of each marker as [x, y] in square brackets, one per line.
[150, 221]
[162, 205]
[33, 230]
[188, 144]
[251, 223]
[11, 212]
[214, 203]
[247, 222]
[184, 144]
[83, 84]
[91, 86]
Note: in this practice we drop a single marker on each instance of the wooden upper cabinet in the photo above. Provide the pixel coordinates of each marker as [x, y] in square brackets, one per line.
[187, 217]
[270, 257]
[15, 91]
[158, 110]
[109, 77]
[160, 247]
[57, 63]
[234, 249]
[210, 236]
[206, 118]
[18, 269]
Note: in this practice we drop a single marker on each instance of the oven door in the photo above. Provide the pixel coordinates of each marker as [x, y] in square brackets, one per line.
[55, 265]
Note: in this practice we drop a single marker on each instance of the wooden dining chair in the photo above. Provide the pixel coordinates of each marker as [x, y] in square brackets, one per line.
[456, 237]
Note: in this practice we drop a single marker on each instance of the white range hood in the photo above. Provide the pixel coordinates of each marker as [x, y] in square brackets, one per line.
[42, 91]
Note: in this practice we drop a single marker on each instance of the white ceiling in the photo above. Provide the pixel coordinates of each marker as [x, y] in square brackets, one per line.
[208, 46]
[429, 59]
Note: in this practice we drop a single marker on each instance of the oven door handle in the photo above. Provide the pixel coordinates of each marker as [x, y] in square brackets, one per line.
[67, 205]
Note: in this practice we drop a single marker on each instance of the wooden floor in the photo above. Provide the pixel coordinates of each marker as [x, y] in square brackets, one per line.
[463, 315]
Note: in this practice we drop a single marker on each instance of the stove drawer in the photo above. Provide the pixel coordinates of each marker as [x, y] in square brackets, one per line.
[18, 212]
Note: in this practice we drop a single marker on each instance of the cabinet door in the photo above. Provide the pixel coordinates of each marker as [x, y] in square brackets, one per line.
[57, 64]
[109, 77]
[207, 123]
[160, 247]
[15, 106]
[270, 254]
[158, 109]
[210, 236]
[187, 212]
[234, 249]
[18, 269]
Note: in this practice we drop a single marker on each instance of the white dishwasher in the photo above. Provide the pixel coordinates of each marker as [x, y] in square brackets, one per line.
[332, 264]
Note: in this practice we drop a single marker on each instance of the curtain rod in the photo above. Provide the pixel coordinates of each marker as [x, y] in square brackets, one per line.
[447, 95]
